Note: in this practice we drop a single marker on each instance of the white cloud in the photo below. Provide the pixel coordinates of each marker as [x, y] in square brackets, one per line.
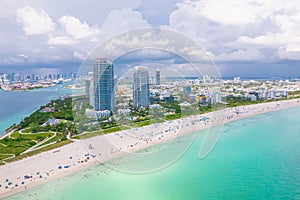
[78, 29]
[53, 32]
[119, 21]
[35, 22]
[231, 30]
[23, 56]
[79, 38]
[74, 33]
[79, 55]
[61, 41]
[234, 12]
[241, 29]
[241, 12]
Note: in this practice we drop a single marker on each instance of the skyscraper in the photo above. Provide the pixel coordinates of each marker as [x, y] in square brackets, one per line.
[87, 88]
[186, 91]
[141, 87]
[103, 78]
[91, 88]
[157, 77]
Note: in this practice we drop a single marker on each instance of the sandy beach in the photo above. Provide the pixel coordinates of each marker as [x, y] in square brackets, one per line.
[81, 154]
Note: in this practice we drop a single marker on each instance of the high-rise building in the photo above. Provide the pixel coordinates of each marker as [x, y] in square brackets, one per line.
[236, 79]
[141, 87]
[32, 77]
[157, 77]
[103, 79]
[87, 88]
[186, 91]
[91, 88]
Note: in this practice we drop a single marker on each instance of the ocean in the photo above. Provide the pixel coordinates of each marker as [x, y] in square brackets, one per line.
[15, 105]
[255, 158]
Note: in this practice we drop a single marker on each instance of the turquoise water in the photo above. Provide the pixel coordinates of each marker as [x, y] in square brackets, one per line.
[255, 158]
[15, 105]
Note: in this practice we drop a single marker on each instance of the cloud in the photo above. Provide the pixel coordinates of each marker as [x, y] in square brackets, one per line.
[61, 41]
[78, 29]
[240, 12]
[75, 33]
[237, 30]
[119, 21]
[55, 35]
[23, 56]
[35, 22]
[79, 38]
[241, 29]
[79, 55]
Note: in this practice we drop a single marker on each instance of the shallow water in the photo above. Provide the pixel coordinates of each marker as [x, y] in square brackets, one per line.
[255, 158]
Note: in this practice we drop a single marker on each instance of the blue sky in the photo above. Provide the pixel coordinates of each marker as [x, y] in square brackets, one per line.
[243, 37]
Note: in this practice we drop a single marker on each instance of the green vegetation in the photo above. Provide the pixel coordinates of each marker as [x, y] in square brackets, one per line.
[142, 123]
[35, 137]
[242, 101]
[50, 124]
[28, 130]
[171, 106]
[114, 129]
[34, 152]
[62, 110]
[4, 156]
[173, 116]
[238, 101]
[86, 135]
[294, 93]
[18, 143]
[58, 138]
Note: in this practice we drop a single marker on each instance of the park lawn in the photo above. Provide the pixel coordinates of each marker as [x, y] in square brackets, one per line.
[3, 156]
[115, 129]
[58, 138]
[100, 132]
[27, 130]
[33, 136]
[54, 139]
[15, 146]
[88, 135]
[142, 123]
[19, 143]
[173, 116]
[34, 152]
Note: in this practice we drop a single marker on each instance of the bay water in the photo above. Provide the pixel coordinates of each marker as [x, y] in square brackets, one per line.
[15, 105]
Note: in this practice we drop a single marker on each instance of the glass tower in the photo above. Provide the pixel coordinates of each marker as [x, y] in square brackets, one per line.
[141, 87]
[103, 77]
[157, 77]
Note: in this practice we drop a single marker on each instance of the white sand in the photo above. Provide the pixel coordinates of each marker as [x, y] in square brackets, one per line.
[86, 153]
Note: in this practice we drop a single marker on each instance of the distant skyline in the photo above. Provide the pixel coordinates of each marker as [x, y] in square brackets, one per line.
[247, 38]
[282, 69]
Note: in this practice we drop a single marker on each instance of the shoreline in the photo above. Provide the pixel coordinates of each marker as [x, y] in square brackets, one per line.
[16, 116]
[82, 154]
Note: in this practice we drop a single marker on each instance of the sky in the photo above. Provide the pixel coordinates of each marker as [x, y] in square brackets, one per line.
[248, 38]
